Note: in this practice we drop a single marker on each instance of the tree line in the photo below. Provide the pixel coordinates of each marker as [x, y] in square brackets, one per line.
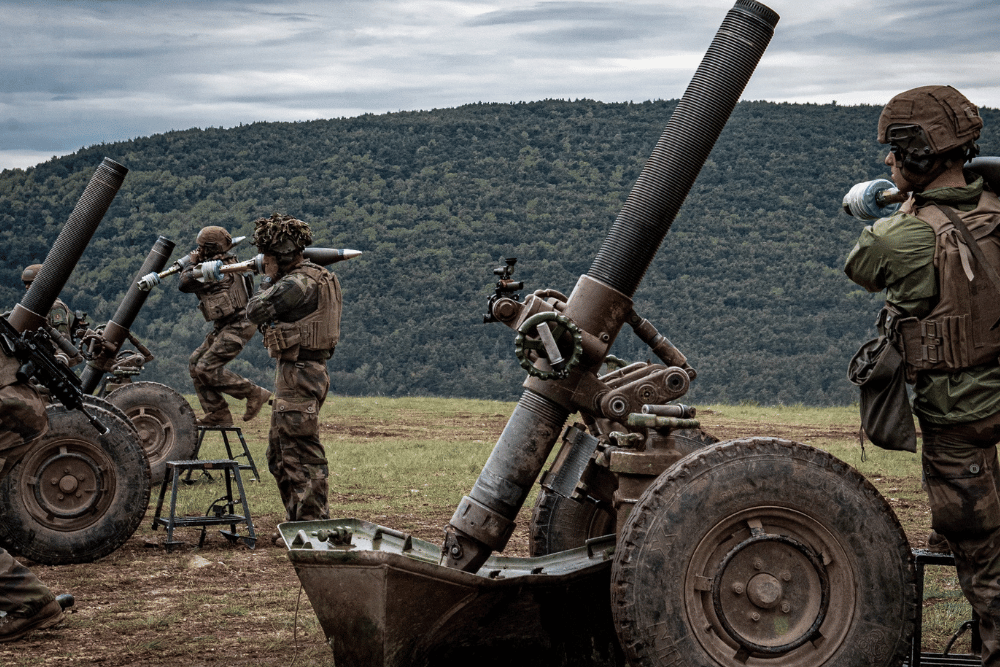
[748, 283]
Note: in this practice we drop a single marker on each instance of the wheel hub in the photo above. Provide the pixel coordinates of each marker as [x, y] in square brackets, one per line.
[67, 485]
[154, 430]
[771, 593]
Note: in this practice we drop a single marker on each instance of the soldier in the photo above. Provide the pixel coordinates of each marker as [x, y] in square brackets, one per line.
[61, 318]
[940, 310]
[298, 311]
[25, 603]
[223, 304]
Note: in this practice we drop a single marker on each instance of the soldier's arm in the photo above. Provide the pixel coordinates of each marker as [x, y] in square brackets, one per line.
[187, 283]
[272, 301]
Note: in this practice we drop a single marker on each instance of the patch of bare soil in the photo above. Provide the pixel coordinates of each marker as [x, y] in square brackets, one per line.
[224, 604]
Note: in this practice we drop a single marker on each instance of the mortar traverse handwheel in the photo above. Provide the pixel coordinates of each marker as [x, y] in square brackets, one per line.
[763, 552]
[536, 336]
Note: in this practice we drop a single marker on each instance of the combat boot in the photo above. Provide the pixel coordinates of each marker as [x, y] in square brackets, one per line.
[255, 403]
[937, 543]
[13, 627]
[216, 418]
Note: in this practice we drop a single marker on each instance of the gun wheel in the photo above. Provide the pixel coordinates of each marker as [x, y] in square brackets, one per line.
[164, 421]
[76, 496]
[559, 523]
[763, 552]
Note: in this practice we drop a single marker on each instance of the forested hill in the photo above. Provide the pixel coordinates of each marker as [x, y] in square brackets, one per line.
[748, 283]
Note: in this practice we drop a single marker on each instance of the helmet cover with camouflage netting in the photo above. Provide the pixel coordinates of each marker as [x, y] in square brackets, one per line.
[30, 273]
[215, 238]
[281, 234]
[945, 117]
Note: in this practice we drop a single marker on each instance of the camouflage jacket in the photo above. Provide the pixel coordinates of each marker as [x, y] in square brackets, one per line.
[897, 254]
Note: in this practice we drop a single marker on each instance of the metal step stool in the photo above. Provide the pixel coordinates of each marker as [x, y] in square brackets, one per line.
[923, 557]
[225, 430]
[221, 512]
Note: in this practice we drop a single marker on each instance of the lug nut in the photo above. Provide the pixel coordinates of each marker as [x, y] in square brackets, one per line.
[738, 588]
[785, 607]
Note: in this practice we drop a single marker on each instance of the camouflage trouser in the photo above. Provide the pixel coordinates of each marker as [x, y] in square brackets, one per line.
[295, 456]
[962, 478]
[207, 366]
[22, 420]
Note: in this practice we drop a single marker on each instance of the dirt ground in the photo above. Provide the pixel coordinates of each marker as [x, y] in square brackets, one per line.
[227, 604]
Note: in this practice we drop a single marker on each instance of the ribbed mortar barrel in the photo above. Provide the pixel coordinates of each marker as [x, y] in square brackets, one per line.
[69, 245]
[684, 146]
[117, 330]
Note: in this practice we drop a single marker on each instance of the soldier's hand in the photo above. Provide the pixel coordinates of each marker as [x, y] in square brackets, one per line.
[195, 257]
[270, 267]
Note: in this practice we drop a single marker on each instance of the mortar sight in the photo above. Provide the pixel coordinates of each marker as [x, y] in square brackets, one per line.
[505, 288]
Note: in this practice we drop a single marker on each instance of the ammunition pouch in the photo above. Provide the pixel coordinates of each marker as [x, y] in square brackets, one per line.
[219, 305]
[943, 343]
[282, 341]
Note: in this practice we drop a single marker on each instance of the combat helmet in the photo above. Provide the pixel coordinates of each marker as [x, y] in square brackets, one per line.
[925, 123]
[30, 273]
[281, 234]
[215, 240]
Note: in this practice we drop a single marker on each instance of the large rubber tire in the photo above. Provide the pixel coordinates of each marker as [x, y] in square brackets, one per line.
[164, 420]
[763, 552]
[559, 523]
[76, 496]
[102, 404]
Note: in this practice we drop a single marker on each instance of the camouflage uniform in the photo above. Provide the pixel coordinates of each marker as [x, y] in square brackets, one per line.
[958, 407]
[224, 304]
[22, 420]
[300, 318]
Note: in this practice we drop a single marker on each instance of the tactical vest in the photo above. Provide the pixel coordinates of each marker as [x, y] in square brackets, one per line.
[957, 333]
[317, 331]
[220, 304]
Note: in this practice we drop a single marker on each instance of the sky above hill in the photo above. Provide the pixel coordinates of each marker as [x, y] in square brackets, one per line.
[75, 73]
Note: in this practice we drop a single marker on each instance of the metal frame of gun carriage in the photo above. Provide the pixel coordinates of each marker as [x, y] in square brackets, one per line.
[652, 544]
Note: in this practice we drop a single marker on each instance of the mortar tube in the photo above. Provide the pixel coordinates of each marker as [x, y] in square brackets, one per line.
[685, 144]
[116, 332]
[62, 258]
[484, 519]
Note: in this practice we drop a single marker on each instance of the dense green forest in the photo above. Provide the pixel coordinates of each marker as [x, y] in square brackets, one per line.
[748, 283]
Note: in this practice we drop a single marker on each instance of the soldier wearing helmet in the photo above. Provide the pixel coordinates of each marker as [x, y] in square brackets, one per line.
[222, 303]
[71, 324]
[298, 311]
[940, 312]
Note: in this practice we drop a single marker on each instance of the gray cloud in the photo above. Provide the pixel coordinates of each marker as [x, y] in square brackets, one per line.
[79, 72]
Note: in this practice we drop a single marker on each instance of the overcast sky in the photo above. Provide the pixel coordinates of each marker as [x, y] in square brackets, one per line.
[74, 73]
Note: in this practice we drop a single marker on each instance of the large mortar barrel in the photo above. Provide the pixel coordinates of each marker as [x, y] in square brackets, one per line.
[484, 519]
[117, 329]
[33, 309]
[684, 146]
